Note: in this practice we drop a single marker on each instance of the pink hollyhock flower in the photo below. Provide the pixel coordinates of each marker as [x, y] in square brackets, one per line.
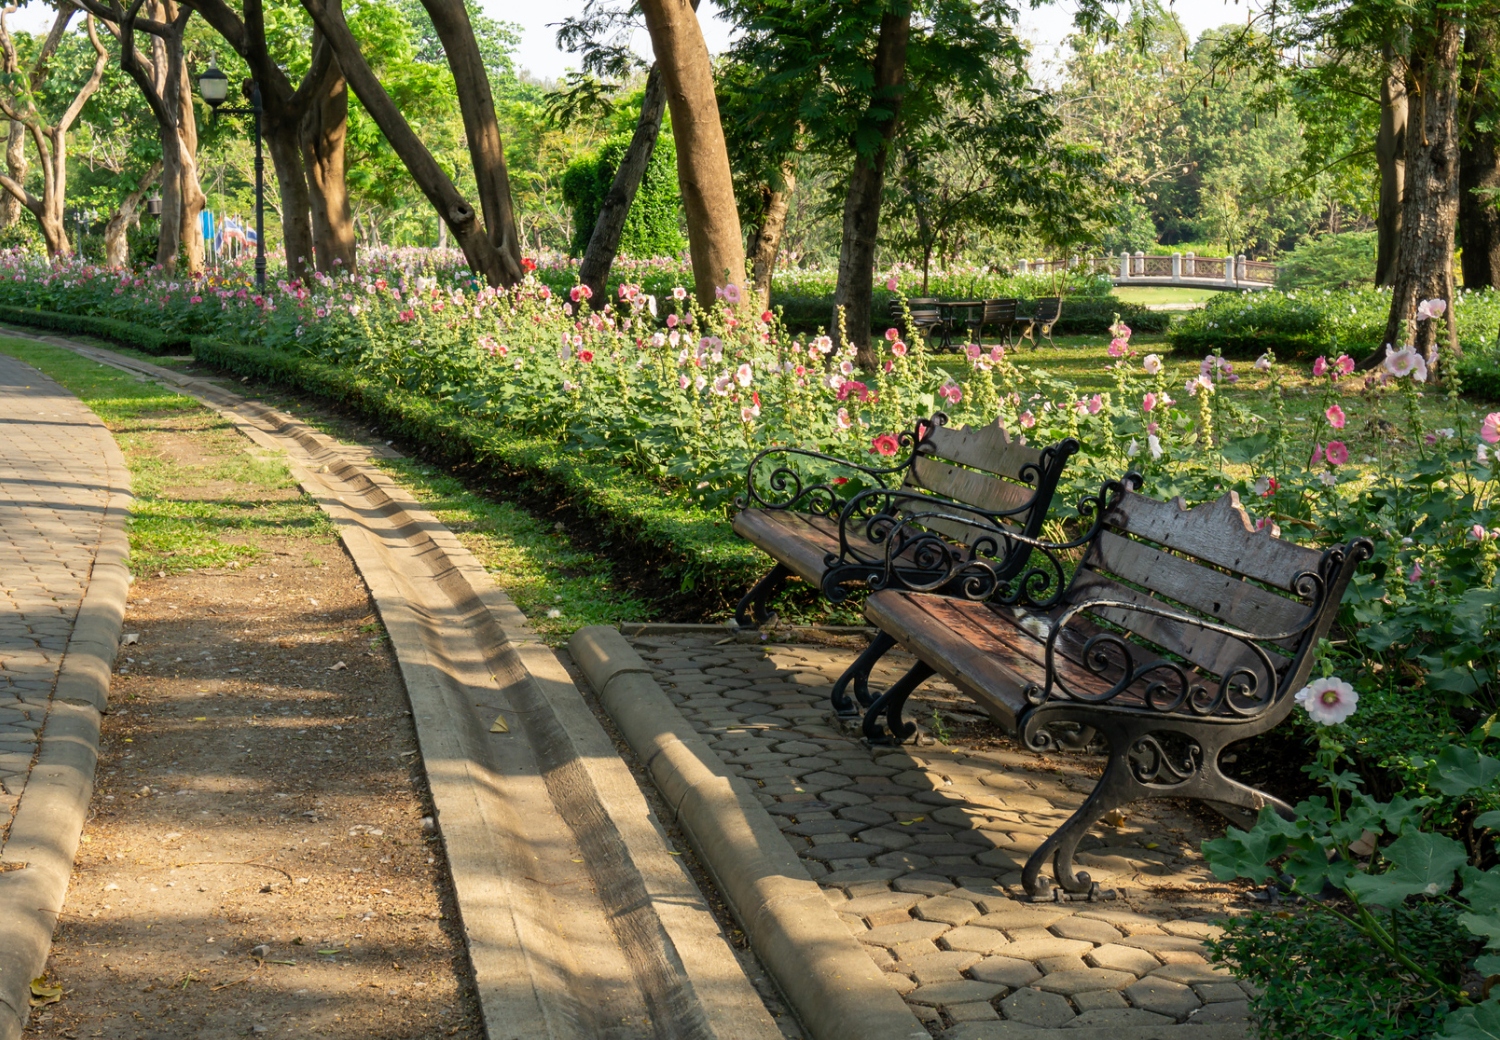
[766, 316]
[1431, 309]
[1320, 366]
[1345, 364]
[1335, 416]
[891, 283]
[683, 382]
[743, 375]
[731, 293]
[1152, 364]
[824, 345]
[1117, 348]
[1404, 362]
[972, 350]
[1028, 420]
[575, 293]
[1317, 457]
[1490, 430]
[679, 293]
[1095, 403]
[892, 335]
[545, 293]
[885, 444]
[671, 321]
[1337, 452]
[1478, 532]
[1328, 701]
[844, 421]
[1263, 363]
[951, 392]
[898, 348]
[1416, 573]
[1148, 402]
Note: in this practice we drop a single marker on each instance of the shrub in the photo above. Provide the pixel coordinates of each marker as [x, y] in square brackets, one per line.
[651, 228]
[1329, 262]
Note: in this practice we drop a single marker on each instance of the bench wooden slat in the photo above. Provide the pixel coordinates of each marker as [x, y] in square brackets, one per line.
[1212, 651]
[989, 448]
[1219, 532]
[1236, 602]
[799, 541]
[969, 486]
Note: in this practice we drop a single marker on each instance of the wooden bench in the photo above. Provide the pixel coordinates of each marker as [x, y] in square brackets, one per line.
[996, 314]
[834, 535]
[925, 319]
[1048, 311]
[1181, 632]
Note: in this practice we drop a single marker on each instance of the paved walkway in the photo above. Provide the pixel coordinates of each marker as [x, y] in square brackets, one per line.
[920, 851]
[54, 485]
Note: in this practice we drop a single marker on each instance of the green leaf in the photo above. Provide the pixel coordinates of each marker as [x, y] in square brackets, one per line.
[1422, 864]
[1244, 450]
[1487, 966]
[1247, 853]
[1460, 770]
[1489, 819]
[1487, 928]
[1481, 889]
[1474, 1023]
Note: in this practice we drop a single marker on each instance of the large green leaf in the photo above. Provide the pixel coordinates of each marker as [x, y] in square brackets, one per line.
[1247, 853]
[1474, 1023]
[1489, 819]
[1460, 770]
[1243, 450]
[1421, 864]
[1482, 889]
[1486, 927]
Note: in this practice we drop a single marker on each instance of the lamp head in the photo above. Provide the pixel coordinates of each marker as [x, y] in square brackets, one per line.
[153, 205]
[213, 85]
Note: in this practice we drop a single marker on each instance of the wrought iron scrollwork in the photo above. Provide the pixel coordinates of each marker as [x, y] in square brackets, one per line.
[1165, 759]
[784, 488]
[1245, 690]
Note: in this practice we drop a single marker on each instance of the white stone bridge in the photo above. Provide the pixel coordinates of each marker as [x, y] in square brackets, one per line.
[1228, 273]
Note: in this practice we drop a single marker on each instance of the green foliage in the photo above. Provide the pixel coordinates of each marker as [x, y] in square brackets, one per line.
[652, 226]
[1329, 262]
[22, 234]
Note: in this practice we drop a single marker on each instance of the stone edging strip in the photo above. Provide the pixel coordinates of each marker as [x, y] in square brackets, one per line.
[835, 988]
[556, 948]
[54, 805]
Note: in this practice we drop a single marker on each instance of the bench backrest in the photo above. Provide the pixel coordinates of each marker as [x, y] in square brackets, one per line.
[985, 467]
[1211, 562]
[1048, 309]
[999, 312]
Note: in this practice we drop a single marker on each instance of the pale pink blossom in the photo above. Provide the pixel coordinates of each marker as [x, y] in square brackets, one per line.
[844, 421]
[1431, 309]
[891, 283]
[1344, 364]
[1027, 420]
[1406, 362]
[1490, 430]
[1335, 416]
[1095, 403]
[951, 392]
[892, 335]
[744, 375]
[1415, 574]
[898, 348]
[1148, 402]
[1328, 701]
[1320, 366]
[1152, 365]
[1263, 363]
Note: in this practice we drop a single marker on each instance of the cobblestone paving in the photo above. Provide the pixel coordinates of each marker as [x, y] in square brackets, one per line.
[920, 848]
[54, 484]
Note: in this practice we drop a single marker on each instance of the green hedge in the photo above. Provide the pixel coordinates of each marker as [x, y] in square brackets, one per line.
[129, 334]
[1081, 316]
[671, 535]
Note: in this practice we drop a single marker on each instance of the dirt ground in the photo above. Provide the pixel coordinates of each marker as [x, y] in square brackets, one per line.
[256, 860]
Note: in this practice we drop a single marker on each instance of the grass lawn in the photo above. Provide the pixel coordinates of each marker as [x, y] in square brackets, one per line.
[1146, 295]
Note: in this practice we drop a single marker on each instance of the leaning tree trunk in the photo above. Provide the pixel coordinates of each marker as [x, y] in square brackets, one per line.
[15, 164]
[604, 243]
[1424, 264]
[855, 285]
[324, 127]
[1390, 157]
[765, 241]
[283, 142]
[703, 174]
[1479, 159]
[190, 192]
[116, 232]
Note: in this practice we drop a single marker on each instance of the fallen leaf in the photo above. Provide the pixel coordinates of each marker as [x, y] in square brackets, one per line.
[338, 666]
[43, 994]
[500, 725]
[130, 639]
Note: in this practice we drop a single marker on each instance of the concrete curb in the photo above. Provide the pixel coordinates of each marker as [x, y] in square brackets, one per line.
[54, 805]
[512, 807]
[835, 988]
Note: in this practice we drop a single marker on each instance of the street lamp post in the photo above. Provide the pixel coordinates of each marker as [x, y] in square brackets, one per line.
[213, 86]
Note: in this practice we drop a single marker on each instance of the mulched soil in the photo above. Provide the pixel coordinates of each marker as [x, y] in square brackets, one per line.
[256, 860]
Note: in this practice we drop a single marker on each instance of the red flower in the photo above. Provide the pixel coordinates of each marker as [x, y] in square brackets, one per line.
[586, 356]
[766, 316]
[886, 444]
[841, 480]
[527, 264]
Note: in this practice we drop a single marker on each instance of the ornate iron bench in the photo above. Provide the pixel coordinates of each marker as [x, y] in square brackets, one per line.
[1180, 632]
[1048, 311]
[811, 525]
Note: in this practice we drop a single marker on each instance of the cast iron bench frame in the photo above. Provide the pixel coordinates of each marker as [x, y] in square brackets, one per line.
[1180, 632]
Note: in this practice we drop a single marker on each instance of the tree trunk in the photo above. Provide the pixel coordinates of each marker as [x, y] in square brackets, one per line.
[116, 239]
[604, 243]
[1479, 159]
[765, 242]
[1390, 157]
[487, 152]
[480, 252]
[866, 182]
[703, 173]
[15, 165]
[190, 258]
[323, 129]
[1424, 263]
[284, 143]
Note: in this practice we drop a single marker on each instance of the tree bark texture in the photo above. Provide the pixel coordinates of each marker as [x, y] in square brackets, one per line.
[1424, 265]
[15, 165]
[480, 252]
[486, 150]
[190, 257]
[604, 242]
[1390, 157]
[1479, 158]
[703, 174]
[323, 128]
[855, 284]
[765, 240]
[116, 237]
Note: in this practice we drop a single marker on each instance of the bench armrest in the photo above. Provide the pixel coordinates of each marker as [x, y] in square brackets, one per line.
[933, 544]
[772, 482]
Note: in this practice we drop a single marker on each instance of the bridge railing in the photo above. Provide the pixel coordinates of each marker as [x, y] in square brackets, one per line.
[1177, 269]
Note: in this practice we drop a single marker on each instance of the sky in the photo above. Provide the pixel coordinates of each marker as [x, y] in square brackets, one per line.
[1045, 28]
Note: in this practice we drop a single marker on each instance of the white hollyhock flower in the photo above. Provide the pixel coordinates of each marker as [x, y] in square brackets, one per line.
[1328, 701]
[1152, 364]
[1154, 443]
[1133, 449]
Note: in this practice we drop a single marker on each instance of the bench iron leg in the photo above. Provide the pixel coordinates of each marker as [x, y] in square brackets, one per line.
[1115, 788]
[859, 674]
[895, 730]
[752, 611]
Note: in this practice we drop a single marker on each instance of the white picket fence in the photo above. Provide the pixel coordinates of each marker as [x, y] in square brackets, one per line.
[1186, 269]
